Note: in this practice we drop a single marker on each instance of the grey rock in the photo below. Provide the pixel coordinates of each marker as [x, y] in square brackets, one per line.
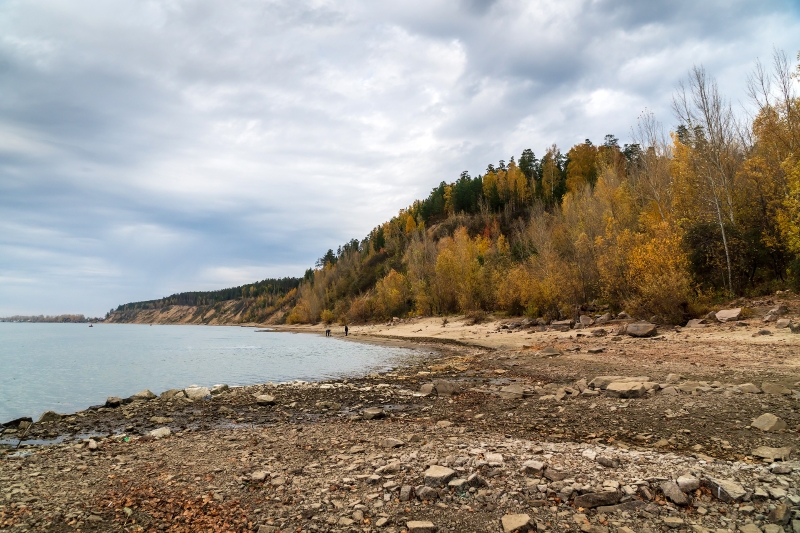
[554, 474]
[775, 388]
[673, 522]
[749, 388]
[438, 476]
[475, 480]
[780, 468]
[172, 393]
[622, 389]
[765, 452]
[674, 493]
[601, 382]
[688, 483]
[426, 493]
[725, 490]
[459, 484]
[729, 315]
[49, 416]
[532, 468]
[607, 461]
[372, 413]
[144, 395]
[265, 399]
[782, 323]
[596, 499]
[516, 522]
[113, 401]
[446, 388]
[641, 329]
[160, 433]
[586, 320]
[219, 389]
[389, 442]
[768, 422]
[512, 392]
[426, 389]
[196, 393]
[780, 515]
[405, 493]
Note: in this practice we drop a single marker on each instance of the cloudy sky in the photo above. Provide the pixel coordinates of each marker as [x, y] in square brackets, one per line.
[151, 147]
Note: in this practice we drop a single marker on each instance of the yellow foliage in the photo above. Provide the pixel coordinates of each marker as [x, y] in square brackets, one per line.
[789, 216]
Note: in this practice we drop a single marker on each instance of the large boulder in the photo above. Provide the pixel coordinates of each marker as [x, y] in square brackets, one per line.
[729, 315]
[265, 399]
[641, 329]
[196, 393]
[113, 401]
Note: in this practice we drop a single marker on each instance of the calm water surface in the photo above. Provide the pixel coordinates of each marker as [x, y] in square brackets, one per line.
[68, 367]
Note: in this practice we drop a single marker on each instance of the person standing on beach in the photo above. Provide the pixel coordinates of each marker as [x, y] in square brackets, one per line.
[345, 330]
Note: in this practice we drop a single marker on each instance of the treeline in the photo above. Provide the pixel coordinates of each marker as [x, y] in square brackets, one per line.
[259, 300]
[42, 318]
[661, 226]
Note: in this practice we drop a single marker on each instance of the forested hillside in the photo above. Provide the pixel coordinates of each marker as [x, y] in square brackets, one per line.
[254, 302]
[661, 227]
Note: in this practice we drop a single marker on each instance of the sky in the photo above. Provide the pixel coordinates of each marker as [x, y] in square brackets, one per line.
[153, 147]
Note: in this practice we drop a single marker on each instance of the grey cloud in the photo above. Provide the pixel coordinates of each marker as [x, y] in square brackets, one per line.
[147, 148]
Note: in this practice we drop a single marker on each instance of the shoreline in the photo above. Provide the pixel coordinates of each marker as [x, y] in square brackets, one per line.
[511, 428]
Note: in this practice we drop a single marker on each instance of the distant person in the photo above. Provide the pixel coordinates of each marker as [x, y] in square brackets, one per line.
[327, 333]
[345, 330]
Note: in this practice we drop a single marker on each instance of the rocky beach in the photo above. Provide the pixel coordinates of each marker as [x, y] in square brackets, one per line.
[600, 425]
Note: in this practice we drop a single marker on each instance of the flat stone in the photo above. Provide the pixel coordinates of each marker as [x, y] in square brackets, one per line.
[516, 522]
[426, 389]
[768, 422]
[728, 315]
[673, 521]
[601, 382]
[725, 490]
[345, 522]
[749, 388]
[765, 452]
[405, 493]
[775, 388]
[554, 474]
[494, 459]
[641, 329]
[596, 350]
[265, 399]
[172, 393]
[460, 484]
[160, 433]
[49, 416]
[144, 395]
[596, 499]
[697, 323]
[749, 528]
[160, 420]
[438, 476]
[622, 389]
[773, 528]
[674, 493]
[512, 392]
[475, 480]
[197, 393]
[372, 413]
[607, 461]
[688, 483]
[782, 323]
[532, 468]
[420, 526]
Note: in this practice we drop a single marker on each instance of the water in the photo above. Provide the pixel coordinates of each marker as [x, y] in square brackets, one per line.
[68, 367]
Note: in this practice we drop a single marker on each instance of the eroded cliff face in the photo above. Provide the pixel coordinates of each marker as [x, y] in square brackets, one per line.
[223, 313]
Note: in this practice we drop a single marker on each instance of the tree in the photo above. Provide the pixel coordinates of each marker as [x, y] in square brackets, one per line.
[711, 131]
